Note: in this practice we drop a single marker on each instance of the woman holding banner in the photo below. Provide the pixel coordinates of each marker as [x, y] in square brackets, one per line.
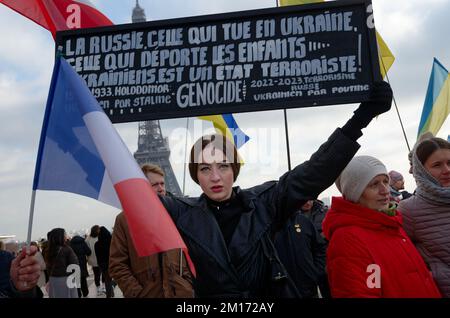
[229, 231]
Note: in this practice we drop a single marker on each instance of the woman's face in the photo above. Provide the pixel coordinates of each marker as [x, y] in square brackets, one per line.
[438, 165]
[376, 194]
[399, 185]
[215, 174]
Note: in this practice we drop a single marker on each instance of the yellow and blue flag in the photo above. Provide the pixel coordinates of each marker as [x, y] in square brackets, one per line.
[437, 101]
[227, 126]
[385, 56]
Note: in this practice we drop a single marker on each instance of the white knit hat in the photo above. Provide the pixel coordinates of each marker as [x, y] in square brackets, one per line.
[357, 175]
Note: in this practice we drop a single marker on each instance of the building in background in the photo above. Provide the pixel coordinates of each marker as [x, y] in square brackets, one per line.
[152, 146]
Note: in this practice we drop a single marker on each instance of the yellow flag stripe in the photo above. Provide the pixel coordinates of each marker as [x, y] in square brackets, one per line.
[441, 110]
[219, 124]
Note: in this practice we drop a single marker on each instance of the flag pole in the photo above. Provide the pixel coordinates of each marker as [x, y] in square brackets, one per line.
[41, 146]
[396, 108]
[185, 154]
[30, 226]
[286, 128]
[30, 219]
[181, 262]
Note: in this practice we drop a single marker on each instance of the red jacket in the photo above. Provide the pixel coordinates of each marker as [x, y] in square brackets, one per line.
[364, 243]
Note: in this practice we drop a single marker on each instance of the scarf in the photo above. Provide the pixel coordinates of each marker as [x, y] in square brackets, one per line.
[391, 210]
[428, 188]
[394, 193]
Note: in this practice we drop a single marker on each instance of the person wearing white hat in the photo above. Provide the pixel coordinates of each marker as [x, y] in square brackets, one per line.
[369, 254]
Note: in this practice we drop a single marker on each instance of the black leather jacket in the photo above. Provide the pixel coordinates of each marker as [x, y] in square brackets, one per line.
[302, 250]
[267, 208]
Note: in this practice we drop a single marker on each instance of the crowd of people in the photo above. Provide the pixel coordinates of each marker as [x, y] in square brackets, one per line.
[60, 264]
[274, 239]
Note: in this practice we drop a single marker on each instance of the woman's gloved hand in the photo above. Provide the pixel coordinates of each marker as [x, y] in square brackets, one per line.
[380, 102]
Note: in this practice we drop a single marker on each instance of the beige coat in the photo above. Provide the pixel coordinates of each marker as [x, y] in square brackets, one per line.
[143, 277]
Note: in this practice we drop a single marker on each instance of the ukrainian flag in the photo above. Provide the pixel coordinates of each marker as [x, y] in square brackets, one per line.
[385, 56]
[437, 101]
[227, 126]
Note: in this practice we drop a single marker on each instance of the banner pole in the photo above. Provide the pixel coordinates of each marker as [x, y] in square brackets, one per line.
[185, 154]
[396, 108]
[286, 128]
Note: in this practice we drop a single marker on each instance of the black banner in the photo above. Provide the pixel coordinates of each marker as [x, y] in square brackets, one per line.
[299, 56]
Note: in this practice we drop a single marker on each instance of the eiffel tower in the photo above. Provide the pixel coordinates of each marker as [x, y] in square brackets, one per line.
[152, 146]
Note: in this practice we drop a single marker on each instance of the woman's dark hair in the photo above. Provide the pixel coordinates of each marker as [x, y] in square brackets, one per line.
[94, 231]
[219, 142]
[56, 240]
[104, 235]
[427, 147]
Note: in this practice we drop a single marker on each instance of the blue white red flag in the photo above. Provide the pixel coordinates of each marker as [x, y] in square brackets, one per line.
[81, 152]
[60, 15]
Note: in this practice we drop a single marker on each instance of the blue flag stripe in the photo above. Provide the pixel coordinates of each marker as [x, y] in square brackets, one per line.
[437, 78]
[48, 108]
[240, 138]
[68, 159]
[86, 101]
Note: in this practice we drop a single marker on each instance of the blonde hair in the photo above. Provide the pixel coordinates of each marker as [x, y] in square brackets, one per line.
[152, 168]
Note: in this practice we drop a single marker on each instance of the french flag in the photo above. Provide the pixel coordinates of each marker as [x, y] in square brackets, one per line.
[81, 152]
[59, 15]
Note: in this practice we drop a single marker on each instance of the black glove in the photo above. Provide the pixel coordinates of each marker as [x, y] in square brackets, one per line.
[380, 102]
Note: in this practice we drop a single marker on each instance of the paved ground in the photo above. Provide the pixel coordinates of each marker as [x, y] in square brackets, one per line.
[93, 288]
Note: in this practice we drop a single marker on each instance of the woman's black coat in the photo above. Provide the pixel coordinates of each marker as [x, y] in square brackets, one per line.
[267, 208]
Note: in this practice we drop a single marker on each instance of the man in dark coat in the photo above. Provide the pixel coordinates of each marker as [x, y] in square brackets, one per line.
[302, 250]
[315, 211]
[82, 251]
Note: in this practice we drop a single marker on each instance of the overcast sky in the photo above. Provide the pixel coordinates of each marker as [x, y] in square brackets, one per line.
[415, 30]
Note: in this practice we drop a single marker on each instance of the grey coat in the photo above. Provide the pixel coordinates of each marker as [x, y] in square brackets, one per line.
[428, 226]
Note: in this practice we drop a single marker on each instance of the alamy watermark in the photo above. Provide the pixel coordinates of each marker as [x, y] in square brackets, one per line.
[265, 148]
[73, 20]
[374, 279]
[74, 279]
